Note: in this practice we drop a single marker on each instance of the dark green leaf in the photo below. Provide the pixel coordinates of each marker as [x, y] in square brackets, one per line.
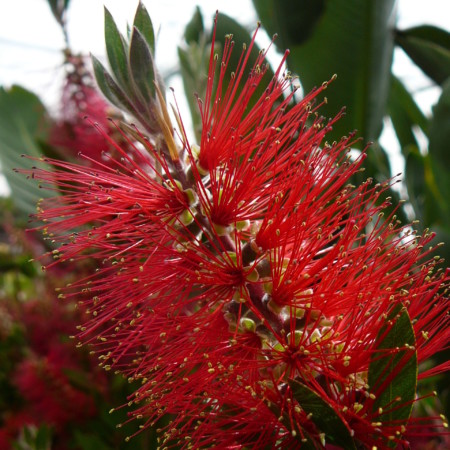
[90, 441]
[43, 438]
[393, 369]
[323, 415]
[143, 23]
[192, 60]
[194, 29]
[415, 182]
[405, 114]
[23, 123]
[109, 87]
[100, 78]
[299, 19]
[440, 128]
[429, 48]
[116, 50]
[34, 438]
[353, 39]
[439, 135]
[142, 66]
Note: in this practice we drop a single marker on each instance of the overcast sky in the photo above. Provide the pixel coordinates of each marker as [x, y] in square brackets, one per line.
[30, 39]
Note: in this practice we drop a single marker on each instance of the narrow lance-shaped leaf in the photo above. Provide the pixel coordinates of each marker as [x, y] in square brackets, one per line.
[116, 50]
[323, 415]
[111, 89]
[195, 28]
[142, 66]
[143, 23]
[393, 369]
[100, 78]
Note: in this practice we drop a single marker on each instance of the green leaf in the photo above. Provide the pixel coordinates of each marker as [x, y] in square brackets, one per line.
[34, 438]
[194, 66]
[23, 123]
[142, 66]
[405, 114]
[351, 38]
[195, 28]
[193, 59]
[143, 23]
[43, 438]
[415, 182]
[429, 48]
[439, 155]
[439, 132]
[393, 369]
[100, 77]
[89, 441]
[323, 415]
[116, 49]
[299, 19]
[109, 87]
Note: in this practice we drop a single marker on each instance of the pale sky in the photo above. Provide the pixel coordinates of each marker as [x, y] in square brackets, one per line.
[30, 39]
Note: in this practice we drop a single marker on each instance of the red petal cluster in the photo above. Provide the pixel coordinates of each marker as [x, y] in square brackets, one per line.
[249, 262]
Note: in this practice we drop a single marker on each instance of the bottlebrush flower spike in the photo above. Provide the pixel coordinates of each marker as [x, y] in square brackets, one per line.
[72, 133]
[260, 298]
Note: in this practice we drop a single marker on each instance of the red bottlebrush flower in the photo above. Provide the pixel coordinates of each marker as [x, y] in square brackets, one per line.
[42, 377]
[50, 396]
[80, 100]
[238, 279]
